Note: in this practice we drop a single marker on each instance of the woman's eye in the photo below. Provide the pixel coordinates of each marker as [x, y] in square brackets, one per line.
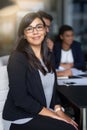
[40, 26]
[29, 28]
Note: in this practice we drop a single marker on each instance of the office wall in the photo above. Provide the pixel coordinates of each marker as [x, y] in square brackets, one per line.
[72, 12]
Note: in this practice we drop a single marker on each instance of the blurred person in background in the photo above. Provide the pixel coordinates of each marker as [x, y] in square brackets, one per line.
[67, 51]
[47, 19]
[32, 102]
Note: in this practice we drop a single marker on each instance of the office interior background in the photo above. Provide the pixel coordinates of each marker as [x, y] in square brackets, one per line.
[71, 12]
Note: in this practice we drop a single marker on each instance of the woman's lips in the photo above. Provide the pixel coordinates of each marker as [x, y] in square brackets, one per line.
[36, 38]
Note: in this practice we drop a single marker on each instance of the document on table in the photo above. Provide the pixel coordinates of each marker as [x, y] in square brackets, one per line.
[73, 81]
[75, 72]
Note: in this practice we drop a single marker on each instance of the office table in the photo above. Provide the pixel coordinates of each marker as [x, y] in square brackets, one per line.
[75, 90]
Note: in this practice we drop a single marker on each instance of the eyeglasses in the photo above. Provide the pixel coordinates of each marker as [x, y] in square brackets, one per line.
[30, 29]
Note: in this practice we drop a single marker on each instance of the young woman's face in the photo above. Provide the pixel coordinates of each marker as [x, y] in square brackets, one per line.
[67, 37]
[35, 32]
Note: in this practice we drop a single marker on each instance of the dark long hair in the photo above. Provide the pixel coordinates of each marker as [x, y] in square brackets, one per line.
[62, 30]
[24, 47]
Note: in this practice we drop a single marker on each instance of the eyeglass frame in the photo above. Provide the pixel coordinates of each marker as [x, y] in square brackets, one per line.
[36, 27]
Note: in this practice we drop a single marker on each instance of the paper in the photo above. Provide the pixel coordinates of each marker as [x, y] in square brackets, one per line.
[76, 82]
[77, 72]
[63, 77]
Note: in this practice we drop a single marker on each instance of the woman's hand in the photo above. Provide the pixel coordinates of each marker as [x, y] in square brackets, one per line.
[59, 115]
[67, 72]
[66, 118]
[50, 113]
[67, 65]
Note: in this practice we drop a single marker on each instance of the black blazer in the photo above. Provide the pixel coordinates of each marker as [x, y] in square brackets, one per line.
[26, 97]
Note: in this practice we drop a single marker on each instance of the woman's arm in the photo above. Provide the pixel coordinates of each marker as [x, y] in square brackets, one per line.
[79, 59]
[67, 65]
[52, 114]
[60, 112]
[67, 72]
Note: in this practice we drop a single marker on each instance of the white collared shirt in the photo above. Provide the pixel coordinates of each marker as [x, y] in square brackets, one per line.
[66, 56]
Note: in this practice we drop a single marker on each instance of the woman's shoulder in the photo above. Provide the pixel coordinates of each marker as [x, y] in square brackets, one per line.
[76, 45]
[18, 56]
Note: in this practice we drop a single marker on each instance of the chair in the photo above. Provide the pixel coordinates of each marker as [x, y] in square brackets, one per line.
[3, 85]
[4, 60]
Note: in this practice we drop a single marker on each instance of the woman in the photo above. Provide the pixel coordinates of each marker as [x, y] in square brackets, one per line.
[31, 102]
[68, 53]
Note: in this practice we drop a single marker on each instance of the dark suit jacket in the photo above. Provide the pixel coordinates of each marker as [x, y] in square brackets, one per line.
[26, 97]
[78, 56]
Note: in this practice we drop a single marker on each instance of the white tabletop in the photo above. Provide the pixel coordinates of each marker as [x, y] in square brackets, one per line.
[73, 81]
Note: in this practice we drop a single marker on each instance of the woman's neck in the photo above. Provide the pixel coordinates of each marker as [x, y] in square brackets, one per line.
[65, 46]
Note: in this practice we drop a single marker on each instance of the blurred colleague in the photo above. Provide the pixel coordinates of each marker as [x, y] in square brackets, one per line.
[32, 102]
[68, 53]
[47, 19]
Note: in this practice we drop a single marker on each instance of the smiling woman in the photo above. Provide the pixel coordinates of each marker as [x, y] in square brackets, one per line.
[35, 33]
[32, 102]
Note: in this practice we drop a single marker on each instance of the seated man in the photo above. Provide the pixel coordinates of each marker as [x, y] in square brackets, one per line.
[68, 53]
[48, 20]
